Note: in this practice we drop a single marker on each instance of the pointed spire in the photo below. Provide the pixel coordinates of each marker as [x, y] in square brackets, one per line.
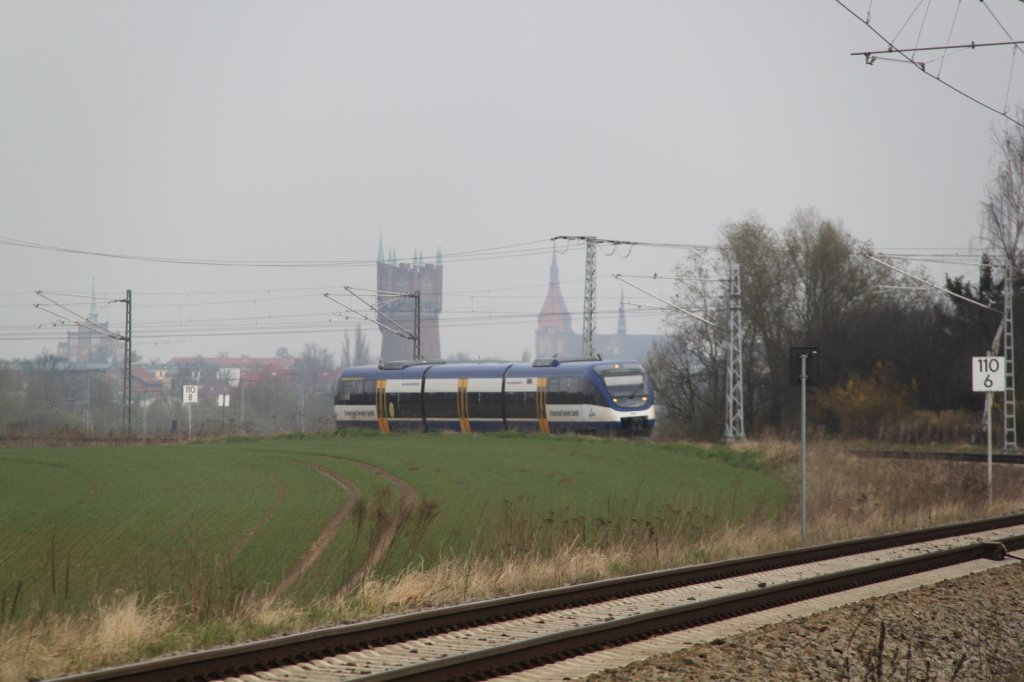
[622, 314]
[438, 260]
[94, 311]
[553, 279]
[392, 258]
[380, 250]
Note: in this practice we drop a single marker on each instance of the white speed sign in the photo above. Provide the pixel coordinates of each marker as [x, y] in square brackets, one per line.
[988, 373]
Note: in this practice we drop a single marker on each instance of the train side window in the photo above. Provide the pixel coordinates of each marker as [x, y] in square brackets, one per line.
[587, 392]
[441, 405]
[484, 404]
[404, 406]
[521, 405]
[560, 391]
[353, 392]
[369, 394]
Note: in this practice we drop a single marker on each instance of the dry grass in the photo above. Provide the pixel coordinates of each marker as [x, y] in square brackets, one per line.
[52, 646]
[847, 497]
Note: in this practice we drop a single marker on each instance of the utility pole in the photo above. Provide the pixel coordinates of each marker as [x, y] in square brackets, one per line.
[734, 368]
[1009, 394]
[393, 326]
[590, 286]
[416, 353]
[589, 291]
[127, 387]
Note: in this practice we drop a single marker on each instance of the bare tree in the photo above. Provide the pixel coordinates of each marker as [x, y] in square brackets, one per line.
[313, 379]
[809, 284]
[688, 368]
[1003, 208]
[355, 351]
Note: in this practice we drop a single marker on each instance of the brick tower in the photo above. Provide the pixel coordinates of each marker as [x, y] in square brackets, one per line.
[398, 312]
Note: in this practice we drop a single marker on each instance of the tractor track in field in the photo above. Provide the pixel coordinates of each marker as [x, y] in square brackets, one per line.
[381, 544]
[329, 532]
[385, 539]
[282, 494]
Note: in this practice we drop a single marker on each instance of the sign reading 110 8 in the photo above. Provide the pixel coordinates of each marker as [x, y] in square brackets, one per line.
[989, 373]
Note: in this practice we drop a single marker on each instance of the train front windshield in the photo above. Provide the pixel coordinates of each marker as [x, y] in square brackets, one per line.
[626, 384]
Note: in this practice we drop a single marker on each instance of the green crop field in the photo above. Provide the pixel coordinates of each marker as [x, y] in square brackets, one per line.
[304, 517]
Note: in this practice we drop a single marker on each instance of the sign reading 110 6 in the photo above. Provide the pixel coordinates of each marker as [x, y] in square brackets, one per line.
[989, 373]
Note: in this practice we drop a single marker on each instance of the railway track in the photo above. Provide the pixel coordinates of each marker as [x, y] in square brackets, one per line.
[495, 637]
[997, 458]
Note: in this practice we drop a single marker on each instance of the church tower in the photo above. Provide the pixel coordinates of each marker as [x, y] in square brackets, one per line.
[554, 334]
[397, 313]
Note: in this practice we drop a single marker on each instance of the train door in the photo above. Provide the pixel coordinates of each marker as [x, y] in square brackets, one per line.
[526, 404]
[403, 404]
[382, 419]
[480, 404]
[443, 403]
[463, 405]
[542, 405]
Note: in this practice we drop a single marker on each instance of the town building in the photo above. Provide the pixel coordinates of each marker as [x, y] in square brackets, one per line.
[92, 343]
[555, 337]
[397, 286]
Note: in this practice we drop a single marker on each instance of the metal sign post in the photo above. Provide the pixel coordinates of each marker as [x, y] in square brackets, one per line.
[988, 375]
[189, 395]
[223, 400]
[803, 369]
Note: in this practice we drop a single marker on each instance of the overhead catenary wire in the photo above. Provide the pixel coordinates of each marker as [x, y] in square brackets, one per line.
[520, 249]
[300, 319]
[909, 58]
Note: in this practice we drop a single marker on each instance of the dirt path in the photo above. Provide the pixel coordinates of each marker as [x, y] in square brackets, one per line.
[380, 545]
[251, 533]
[314, 551]
[385, 539]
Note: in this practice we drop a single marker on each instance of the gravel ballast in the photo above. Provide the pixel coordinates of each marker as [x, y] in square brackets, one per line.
[969, 628]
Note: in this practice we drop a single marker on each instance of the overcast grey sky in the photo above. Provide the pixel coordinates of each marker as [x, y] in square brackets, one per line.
[304, 132]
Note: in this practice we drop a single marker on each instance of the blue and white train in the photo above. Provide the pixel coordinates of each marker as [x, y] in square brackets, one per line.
[549, 396]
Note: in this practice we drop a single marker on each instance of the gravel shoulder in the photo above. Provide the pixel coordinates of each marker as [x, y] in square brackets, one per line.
[970, 628]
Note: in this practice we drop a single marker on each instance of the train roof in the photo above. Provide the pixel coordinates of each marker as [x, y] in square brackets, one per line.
[440, 370]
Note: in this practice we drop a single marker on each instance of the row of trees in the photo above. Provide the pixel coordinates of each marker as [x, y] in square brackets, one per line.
[886, 349]
[894, 356]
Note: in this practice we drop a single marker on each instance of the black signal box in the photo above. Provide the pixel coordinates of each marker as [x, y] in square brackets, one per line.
[795, 353]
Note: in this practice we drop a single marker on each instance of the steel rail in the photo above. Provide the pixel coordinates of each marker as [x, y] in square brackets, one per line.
[266, 654]
[530, 653]
[997, 458]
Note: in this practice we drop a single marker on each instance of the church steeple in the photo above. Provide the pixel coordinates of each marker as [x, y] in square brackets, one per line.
[554, 323]
[622, 315]
[380, 250]
[94, 311]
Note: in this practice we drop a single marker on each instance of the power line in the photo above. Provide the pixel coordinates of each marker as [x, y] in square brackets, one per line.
[910, 59]
[506, 251]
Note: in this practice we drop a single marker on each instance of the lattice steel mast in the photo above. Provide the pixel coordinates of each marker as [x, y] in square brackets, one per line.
[590, 287]
[734, 367]
[589, 292]
[1009, 393]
